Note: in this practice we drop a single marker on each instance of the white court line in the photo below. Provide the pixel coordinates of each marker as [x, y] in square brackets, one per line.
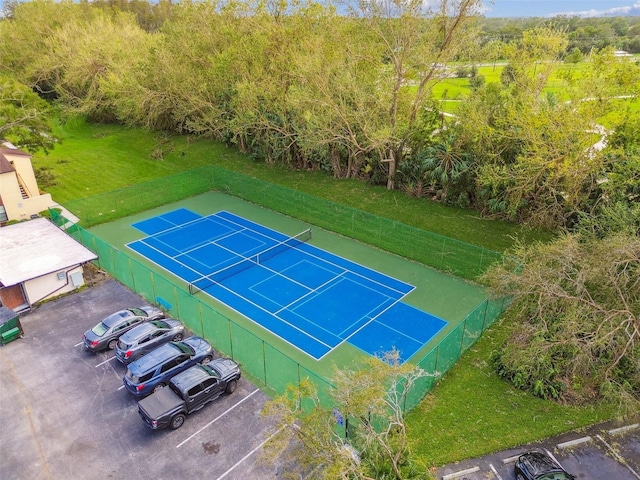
[248, 455]
[217, 418]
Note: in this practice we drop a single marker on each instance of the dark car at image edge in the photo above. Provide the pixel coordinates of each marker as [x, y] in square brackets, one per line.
[540, 466]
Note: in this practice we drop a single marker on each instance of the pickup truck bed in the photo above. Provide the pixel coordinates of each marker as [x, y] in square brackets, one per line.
[163, 401]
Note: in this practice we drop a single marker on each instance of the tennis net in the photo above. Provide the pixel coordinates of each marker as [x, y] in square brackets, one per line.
[260, 258]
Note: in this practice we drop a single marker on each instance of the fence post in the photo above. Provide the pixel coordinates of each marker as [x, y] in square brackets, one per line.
[484, 316]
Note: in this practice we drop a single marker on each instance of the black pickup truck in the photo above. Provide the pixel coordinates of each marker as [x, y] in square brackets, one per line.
[189, 391]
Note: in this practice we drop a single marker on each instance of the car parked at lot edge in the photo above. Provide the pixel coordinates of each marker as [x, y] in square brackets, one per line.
[188, 392]
[154, 370]
[143, 338]
[106, 333]
[540, 466]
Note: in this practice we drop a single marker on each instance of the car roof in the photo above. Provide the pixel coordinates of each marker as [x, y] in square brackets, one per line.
[538, 463]
[191, 376]
[117, 317]
[139, 331]
[155, 357]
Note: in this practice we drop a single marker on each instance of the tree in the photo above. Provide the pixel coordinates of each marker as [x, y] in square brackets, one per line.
[534, 153]
[24, 117]
[446, 165]
[414, 40]
[369, 400]
[577, 306]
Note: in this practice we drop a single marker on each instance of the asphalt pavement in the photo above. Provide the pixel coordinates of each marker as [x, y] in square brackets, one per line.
[608, 451]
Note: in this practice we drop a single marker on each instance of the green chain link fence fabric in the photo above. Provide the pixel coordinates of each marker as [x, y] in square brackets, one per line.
[437, 251]
[262, 361]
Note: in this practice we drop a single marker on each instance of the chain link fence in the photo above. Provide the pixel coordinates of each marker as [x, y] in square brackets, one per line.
[262, 361]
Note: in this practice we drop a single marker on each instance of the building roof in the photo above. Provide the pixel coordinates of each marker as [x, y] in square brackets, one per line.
[5, 164]
[35, 248]
[6, 147]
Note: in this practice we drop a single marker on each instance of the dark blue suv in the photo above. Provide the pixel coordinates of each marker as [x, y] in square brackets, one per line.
[155, 369]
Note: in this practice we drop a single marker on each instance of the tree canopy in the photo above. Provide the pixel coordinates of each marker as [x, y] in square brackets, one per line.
[362, 437]
[25, 119]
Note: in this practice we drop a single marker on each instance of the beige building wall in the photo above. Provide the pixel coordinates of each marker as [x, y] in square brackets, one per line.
[16, 207]
[53, 284]
[24, 169]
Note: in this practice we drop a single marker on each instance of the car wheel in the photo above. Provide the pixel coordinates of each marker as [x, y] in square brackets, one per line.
[206, 360]
[112, 344]
[177, 337]
[177, 421]
[231, 386]
[158, 387]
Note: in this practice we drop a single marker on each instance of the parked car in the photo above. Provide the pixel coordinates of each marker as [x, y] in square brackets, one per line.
[154, 370]
[188, 392]
[145, 337]
[106, 333]
[540, 466]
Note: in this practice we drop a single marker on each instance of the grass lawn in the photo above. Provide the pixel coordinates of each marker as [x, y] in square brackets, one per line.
[471, 411]
[94, 159]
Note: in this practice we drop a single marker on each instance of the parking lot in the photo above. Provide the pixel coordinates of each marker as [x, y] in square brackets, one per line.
[65, 413]
[603, 452]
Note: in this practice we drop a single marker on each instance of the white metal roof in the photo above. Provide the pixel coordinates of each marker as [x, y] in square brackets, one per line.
[37, 247]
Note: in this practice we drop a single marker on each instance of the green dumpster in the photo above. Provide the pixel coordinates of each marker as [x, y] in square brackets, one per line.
[10, 327]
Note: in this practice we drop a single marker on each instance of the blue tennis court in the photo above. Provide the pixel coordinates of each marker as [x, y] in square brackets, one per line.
[310, 298]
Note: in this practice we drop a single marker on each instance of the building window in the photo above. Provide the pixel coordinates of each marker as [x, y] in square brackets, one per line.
[3, 214]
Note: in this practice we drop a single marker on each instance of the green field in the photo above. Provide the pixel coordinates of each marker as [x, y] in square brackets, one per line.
[451, 91]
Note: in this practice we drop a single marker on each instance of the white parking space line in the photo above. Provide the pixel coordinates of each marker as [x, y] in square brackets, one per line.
[495, 472]
[217, 418]
[106, 361]
[617, 456]
[248, 455]
[552, 456]
[78, 344]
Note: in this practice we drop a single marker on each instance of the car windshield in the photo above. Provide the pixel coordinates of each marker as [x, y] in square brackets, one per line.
[183, 347]
[214, 372]
[138, 312]
[100, 329]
